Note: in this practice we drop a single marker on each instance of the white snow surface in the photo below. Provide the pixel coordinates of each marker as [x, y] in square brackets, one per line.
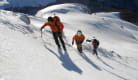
[24, 55]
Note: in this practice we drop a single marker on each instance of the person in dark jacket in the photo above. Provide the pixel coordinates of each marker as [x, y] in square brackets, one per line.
[95, 44]
[57, 29]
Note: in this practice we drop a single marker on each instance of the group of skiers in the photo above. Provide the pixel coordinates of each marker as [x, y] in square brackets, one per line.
[57, 30]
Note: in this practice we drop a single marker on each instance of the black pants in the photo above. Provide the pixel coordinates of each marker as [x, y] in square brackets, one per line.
[58, 36]
[79, 46]
[95, 50]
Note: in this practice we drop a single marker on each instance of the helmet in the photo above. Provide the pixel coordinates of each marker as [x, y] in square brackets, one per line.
[50, 19]
[79, 32]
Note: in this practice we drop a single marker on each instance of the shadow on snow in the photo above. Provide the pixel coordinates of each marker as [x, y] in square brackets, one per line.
[89, 61]
[66, 60]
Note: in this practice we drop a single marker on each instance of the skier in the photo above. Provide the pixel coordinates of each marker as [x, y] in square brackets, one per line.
[57, 29]
[95, 44]
[78, 38]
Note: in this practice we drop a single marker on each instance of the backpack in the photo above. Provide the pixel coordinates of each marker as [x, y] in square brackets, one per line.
[95, 42]
[57, 18]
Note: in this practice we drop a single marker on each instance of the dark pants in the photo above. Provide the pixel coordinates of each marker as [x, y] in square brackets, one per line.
[95, 50]
[58, 36]
[79, 46]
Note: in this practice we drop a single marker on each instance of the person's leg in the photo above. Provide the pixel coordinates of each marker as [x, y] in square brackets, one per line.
[62, 41]
[79, 47]
[56, 39]
[95, 50]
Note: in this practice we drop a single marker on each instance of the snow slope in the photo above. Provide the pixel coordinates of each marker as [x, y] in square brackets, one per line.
[25, 56]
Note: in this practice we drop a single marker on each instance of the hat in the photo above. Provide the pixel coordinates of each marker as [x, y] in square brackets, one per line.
[50, 19]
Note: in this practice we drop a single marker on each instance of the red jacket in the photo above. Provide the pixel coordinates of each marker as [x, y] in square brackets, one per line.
[55, 26]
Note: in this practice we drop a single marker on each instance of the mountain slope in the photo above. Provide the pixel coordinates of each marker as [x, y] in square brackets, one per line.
[99, 25]
[25, 3]
[25, 56]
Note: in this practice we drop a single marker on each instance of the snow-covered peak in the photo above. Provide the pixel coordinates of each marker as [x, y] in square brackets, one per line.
[63, 9]
[26, 3]
[109, 15]
[3, 2]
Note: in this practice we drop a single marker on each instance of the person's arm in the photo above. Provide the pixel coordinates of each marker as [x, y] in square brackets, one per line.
[61, 26]
[73, 40]
[88, 40]
[83, 38]
[44, 25]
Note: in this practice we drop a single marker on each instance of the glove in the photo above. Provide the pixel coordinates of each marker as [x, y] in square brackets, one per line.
[41, 29]
[72, 42]
[81, 42]
[88, 40]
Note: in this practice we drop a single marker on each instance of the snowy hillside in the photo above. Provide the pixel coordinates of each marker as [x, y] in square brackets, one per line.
[24, 55]
[24, 3]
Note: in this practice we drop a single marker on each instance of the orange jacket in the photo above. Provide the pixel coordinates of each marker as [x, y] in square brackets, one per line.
[78, 38]
[55, 26]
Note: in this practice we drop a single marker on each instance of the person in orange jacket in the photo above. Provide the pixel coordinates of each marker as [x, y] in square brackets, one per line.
[57, 29]
[78, 38]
